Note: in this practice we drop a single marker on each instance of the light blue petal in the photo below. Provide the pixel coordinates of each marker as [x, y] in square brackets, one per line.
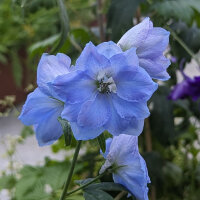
[71, 111]
[123, 61]
[85, 133]
[49, 68]
[108, 143]
[155, 43]
[132, 174]
[150, 54]
[74, 87]
[136, 35]
[127, 109]
[116, 125]
[108, 49]
[92, 61]
[37, 108]
[135, 85]
[156, 67]
[94, 113]
[49, 130]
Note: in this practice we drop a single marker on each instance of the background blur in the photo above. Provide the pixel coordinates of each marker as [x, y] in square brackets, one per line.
[170, 142]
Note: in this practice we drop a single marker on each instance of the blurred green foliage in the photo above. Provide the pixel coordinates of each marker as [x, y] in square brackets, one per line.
[174, 159]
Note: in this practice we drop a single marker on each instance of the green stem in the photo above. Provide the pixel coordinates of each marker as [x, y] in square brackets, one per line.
[182, 43]
[85, 185]
[71, 170]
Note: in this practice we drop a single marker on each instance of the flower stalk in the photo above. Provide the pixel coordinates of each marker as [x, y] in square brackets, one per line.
[71, 170]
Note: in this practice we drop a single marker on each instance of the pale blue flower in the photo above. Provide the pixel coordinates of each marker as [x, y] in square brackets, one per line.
[130, 168]
[151, 42]
[42, 107]
[105, 92]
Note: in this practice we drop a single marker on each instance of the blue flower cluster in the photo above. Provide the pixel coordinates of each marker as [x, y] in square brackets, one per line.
[107, 89]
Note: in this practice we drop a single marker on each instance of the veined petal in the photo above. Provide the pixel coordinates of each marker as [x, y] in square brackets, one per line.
[85, 133]
[92, 61]
[94, 113]
[136, 35]
[108, 49]
[135, 85]
[155, 43]
[71, 111]
[117, 125]
[156, 67]
[37, 107]
[49, 130]
[74, 87]
[49, 68]
[127, 58]
[125, 109]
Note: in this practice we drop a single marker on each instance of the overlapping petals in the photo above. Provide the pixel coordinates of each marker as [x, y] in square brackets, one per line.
[42, 112]
[107, 91]
[151, 42]
[43, 107]
[131, 171]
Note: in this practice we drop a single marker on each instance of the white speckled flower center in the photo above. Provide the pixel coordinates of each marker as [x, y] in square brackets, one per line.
[105, 84]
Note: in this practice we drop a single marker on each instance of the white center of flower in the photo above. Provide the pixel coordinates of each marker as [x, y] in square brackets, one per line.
[105, 83]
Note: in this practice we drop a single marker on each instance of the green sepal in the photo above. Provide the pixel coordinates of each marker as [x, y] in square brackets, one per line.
[102, 142]
[66, 130]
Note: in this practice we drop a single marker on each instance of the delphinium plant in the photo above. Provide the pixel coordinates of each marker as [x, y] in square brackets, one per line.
[103, 95]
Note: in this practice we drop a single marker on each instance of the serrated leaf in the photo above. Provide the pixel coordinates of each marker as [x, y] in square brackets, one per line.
[120, 16]
[66, 130]
[102, 142]
[7, 182]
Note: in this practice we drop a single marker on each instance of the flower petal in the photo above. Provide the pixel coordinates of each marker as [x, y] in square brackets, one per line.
[135, 85]
[94, 113]
[128, 59]
[136, 35]
[49, 68]
[74, 87]
[156, 67]
[37, 107]
[117, 125]
[155, 43]
[49, 130]
[127, 109]
[91, 61]
[108, 49]
[71, 111]
[85, 133]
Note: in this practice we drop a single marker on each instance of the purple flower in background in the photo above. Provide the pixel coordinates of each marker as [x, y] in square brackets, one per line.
[42, 107]
[151, 42]
[187, 88]
[130, 168]
[107, 91]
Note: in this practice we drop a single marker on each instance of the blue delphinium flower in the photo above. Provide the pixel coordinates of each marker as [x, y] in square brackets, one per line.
[43, 107]
[129, 167]
[150, 42]
[105, 93]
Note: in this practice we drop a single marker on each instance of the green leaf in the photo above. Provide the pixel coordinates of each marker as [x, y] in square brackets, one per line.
[96, 195]
[179, 9]
[41, 46]
[66, 130]
[7, 182]
[120, 16]
[102, 142]
[64, 25]
[107, 186]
